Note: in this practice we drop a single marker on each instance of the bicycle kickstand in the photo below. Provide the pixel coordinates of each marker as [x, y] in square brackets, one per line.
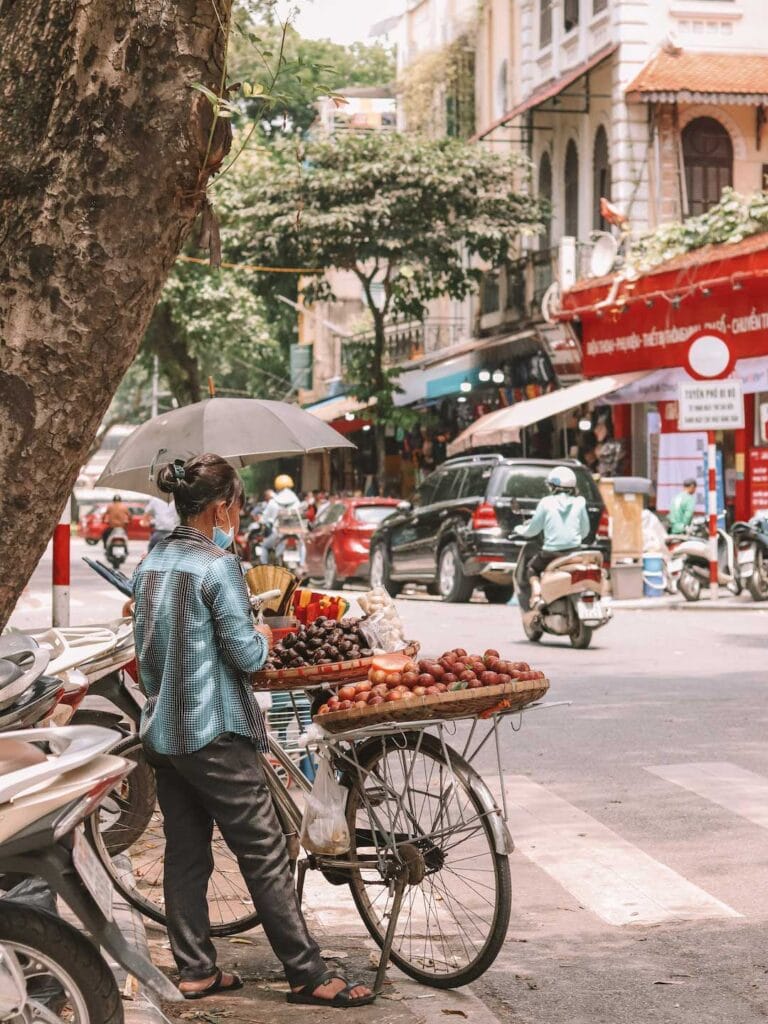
[397, 901]
[301, 873]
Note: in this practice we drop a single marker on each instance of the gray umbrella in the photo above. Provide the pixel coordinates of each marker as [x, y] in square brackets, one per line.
[241, 430]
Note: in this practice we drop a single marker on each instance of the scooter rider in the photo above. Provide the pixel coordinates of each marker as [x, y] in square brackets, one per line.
[562, 517]
[283, 500]
[117, 517]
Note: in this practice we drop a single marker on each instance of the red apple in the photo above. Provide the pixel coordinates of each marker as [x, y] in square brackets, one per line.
[431, 691]
[504, 678]
[489, 678]
[449, 677]
[466, 675]
[491, 655]
[425, 679]
[419, 691]
[374, 700]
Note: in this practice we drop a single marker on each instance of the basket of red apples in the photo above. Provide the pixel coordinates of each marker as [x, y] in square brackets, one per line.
[455, 685]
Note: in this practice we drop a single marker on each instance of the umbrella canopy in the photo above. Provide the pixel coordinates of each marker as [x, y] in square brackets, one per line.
[241, 430]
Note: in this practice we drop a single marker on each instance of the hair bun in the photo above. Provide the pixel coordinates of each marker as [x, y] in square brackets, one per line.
[171, 477]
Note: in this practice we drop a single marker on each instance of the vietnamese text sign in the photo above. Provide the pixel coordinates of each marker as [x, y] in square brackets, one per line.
[758, 480]
[711, 405]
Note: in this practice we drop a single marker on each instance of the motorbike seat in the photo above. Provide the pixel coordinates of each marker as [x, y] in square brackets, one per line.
[576, 557]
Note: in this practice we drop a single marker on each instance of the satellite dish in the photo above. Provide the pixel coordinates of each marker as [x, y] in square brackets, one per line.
[603, 255]
[550, 303]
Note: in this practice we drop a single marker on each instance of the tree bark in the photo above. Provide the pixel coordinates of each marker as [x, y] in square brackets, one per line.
[177, 364]
[103, 149]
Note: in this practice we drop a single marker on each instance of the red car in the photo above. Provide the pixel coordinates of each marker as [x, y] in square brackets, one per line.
[339, 540]
[91, 524]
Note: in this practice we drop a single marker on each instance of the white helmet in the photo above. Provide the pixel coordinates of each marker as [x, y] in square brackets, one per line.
[561, 479]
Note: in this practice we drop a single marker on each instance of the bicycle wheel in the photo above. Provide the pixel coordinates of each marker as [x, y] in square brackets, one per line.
[137, 870]
[127, 810]
[454, 916]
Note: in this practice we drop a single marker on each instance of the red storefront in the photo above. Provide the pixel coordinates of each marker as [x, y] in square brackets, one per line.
[646, 324]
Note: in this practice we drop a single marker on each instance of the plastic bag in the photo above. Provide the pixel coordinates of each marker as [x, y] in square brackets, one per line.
[324, 825]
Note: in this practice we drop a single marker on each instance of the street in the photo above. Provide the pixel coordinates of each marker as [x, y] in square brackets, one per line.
[638, 812]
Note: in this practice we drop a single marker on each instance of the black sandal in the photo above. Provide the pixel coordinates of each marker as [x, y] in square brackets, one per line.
[343, 1000]
[216, 986]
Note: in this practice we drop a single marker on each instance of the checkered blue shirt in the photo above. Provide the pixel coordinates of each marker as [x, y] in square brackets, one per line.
[195, 645]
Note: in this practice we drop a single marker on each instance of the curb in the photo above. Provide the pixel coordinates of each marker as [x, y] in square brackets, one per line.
[649, 604]
[137, 1005]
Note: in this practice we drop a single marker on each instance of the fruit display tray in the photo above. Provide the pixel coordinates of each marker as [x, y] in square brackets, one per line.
[455, 704]
[337, 672]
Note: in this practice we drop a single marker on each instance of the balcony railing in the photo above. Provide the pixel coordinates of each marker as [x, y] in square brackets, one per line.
[514, 293]
[405, 342]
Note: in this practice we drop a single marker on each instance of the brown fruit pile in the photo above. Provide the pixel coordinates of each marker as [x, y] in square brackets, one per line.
[323, 642]
[395, 677]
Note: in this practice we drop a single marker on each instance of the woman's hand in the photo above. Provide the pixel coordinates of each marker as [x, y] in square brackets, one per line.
[266, 632]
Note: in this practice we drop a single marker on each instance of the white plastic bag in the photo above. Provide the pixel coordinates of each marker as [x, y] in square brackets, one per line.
[324, 825]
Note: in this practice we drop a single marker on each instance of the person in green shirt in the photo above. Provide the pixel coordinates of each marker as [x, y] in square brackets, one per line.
[683, 508]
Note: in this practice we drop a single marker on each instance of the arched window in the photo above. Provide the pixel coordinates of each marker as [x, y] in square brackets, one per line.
[545, 192]
[571, 189]
[708, 159]
[601, 177]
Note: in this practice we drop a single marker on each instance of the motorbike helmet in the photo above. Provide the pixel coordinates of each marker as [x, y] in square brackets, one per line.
[282, 481]
[116, 497]
[562, 479]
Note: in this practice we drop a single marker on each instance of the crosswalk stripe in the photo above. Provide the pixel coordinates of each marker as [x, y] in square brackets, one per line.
[736, 789]
[608, 875]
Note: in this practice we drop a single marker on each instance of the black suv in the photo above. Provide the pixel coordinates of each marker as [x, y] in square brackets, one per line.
[458, 532]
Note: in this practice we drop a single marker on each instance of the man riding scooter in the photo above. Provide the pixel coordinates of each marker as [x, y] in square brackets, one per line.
[562, 517]
[560, 586]
[284, 507]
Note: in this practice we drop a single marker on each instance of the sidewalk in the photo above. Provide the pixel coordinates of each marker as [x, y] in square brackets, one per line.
[262, 1000]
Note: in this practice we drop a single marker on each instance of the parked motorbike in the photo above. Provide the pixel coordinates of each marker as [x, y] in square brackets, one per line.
[572, 589]
[691, 559]
[289, 550]
[116, 548]
[51, 780]
[751, 543]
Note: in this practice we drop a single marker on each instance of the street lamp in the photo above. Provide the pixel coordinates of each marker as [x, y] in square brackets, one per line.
[585, 424]
[349, 416]
[484, 376]
[366, 426]
[498, 376]
[461, 398]
[465, 386]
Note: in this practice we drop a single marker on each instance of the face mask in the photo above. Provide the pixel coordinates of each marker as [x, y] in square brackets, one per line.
[221, 538]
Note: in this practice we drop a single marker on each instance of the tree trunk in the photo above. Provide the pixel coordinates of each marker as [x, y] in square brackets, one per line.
[103, 144]
[379, 424]
[177, 364]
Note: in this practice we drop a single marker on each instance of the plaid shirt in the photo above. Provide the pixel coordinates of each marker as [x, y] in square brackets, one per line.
[195, 645]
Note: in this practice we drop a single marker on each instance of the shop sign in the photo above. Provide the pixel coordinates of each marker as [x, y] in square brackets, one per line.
[758, 480]
[711, 405]
[640, 336]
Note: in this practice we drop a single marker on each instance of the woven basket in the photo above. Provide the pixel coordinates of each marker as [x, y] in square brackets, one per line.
[319, 675]
[458, 704]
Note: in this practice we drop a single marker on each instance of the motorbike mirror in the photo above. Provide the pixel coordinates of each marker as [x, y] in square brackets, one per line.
[404, 506]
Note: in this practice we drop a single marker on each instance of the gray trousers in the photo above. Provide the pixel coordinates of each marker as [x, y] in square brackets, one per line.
[224, 783]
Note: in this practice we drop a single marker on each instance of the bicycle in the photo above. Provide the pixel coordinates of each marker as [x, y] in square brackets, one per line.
[428, 868]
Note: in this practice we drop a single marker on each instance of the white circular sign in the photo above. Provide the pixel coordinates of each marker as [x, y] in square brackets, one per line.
[709, 356]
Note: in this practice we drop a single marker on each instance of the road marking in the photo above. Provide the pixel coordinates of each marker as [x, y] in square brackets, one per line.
[736, 789]
[607, 875]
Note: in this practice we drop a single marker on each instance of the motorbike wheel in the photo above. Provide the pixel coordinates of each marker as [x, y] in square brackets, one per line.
[581, 636]
[124, 816]
[533, 632]
[689, 585]
[66, 976]
[757, 584]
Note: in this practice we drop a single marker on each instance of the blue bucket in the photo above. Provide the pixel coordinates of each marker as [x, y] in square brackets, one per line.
[653, 576]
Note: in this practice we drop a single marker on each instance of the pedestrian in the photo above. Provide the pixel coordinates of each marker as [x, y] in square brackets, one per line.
[609, 451]
[202, 729]
[683, 507]
[162, 517]
[117, 516]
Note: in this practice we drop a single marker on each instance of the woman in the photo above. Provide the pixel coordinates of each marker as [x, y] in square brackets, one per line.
[196, 646]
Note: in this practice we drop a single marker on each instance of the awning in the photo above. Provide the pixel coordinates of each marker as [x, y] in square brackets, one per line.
[334, 408]
[678, 76]
[504, 425]
[550, 90]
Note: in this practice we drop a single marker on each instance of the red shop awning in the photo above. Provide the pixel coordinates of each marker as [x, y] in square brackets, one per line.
[645, 323]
